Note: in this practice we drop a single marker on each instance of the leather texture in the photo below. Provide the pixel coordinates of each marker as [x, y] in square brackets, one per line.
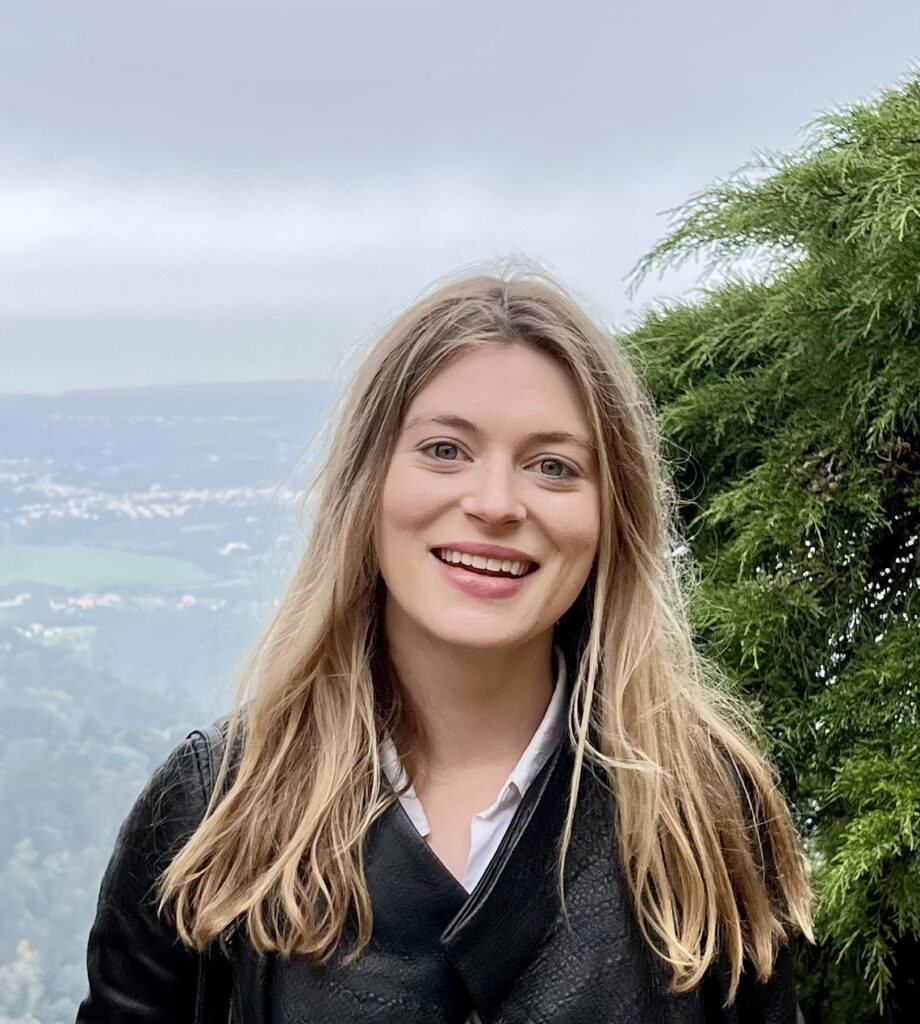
[138, 970]
[508, 951]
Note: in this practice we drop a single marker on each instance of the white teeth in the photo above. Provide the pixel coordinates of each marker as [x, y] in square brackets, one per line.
[481, 562]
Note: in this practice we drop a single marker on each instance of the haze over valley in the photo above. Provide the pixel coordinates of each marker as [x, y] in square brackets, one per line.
[144, 536]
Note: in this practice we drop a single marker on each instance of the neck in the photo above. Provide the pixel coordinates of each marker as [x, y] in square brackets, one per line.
[477, 707]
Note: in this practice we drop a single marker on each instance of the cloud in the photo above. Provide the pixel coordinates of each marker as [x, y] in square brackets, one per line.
[85, 245]
[204, 190]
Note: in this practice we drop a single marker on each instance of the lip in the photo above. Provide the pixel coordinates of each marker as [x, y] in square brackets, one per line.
[488, 551]
[478, 585]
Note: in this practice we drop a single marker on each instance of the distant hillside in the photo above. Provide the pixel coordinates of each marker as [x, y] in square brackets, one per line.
[144, 535]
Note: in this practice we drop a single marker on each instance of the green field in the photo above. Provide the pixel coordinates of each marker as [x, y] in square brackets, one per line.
[73, 567]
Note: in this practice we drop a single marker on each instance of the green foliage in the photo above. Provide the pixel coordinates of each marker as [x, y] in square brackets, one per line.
[789, 396]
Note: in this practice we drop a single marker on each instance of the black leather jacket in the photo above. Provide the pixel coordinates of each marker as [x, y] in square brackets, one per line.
[508, 950]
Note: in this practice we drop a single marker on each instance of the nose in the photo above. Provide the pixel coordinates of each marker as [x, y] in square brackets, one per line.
[492, 496]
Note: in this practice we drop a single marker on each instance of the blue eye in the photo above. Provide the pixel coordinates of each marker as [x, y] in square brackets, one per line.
[436, 450]
[563, 471]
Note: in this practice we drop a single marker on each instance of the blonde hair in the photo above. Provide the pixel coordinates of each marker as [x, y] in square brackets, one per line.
[706, 841]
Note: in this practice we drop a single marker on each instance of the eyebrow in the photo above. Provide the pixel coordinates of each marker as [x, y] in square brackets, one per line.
[448, 419]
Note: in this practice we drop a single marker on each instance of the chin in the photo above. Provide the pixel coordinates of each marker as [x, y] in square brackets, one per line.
[482, 634]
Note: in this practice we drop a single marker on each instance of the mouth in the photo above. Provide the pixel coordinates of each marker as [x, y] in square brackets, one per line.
[481, 565]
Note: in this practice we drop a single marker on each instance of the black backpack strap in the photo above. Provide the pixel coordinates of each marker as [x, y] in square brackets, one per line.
[215, 976]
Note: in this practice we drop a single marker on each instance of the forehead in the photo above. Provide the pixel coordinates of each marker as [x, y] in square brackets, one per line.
[500, 382]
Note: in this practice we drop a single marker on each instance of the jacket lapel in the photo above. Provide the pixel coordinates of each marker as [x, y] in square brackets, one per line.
[408, 883]
[403, 974]
[511, 912]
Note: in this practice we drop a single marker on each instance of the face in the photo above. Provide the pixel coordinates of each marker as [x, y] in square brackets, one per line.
[489, 521]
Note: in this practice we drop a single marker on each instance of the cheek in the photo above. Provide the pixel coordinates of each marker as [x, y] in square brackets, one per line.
[579, 534]
[406, 505]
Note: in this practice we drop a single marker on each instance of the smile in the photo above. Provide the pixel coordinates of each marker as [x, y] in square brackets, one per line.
[485, 566]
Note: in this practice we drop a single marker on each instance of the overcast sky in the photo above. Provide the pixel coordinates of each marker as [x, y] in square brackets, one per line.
[207, 190]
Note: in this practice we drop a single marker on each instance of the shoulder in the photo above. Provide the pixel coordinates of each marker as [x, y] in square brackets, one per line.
[138, 969]
[173, 803]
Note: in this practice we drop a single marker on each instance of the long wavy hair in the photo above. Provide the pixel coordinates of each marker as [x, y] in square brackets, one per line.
[706, 841]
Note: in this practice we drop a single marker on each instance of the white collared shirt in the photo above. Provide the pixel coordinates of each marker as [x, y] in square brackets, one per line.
[489, 826]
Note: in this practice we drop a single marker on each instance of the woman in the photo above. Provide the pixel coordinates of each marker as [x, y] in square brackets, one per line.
[482, 773]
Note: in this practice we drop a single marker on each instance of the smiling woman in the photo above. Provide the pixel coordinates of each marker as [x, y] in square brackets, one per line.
[478, 771]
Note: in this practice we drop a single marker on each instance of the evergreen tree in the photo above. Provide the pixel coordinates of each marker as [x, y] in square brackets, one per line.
[789, 395]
